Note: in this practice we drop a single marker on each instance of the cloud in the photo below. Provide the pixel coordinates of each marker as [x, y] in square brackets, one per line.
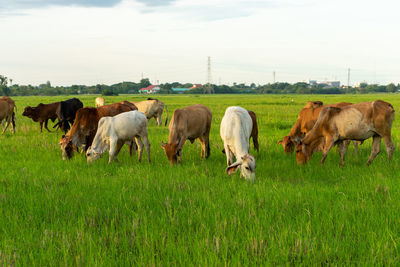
[156, 3]
[26, 4]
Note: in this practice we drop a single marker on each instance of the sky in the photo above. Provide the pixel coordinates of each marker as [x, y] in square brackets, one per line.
[109, 41]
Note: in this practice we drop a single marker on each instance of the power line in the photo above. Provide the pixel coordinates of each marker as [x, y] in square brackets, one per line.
[208, 88]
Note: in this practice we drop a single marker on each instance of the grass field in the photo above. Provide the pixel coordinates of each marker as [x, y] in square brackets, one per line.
[56, 212]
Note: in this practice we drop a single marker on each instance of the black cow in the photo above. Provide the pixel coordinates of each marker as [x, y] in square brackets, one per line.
[66, 112]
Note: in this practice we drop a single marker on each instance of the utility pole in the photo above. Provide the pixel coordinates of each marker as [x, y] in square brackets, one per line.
[208, 89]
[273, 76]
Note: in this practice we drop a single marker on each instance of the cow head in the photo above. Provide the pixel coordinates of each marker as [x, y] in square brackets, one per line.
[28, 111]
[288, 144]
[171, 150]
[247, 165]
[92, 155]
[303, 153]
[67, 147]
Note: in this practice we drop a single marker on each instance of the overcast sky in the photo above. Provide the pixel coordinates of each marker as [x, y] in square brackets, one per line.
[109, 41]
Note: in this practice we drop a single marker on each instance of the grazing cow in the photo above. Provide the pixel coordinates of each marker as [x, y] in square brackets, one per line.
[99, 102]
[66, 112]
[113, 132]
[305, 122]
[7, 113]
[188, 123]
[42, 113]
[355, 122]
[254, 131]
[152, 108]
[235, 130]
[85, 126]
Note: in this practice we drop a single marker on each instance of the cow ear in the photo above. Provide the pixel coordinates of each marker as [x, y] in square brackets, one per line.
[163, 145]
[232, 168]
[280, 142]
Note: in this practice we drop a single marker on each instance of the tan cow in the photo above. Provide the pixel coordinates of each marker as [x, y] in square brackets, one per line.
[7, 113]
[355, 122]
[188, 123]
[305, 122]
[152, 108]
[99, 101]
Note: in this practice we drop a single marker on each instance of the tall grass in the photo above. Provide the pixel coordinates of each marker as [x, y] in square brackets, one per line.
[56, 212]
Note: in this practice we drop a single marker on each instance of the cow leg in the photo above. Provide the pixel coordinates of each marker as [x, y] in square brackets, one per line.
[355, 144]
[179, 147]
[41, 126]
[115, 146]
[45, 125]
[203, 147]
[132, 147]
[327, 147]
[8, 121]
[119, 146]
[140, 148]
[147, 146]
[342, 147]
[13, 122]
[387, 139]
[376, 148]
[229, 155]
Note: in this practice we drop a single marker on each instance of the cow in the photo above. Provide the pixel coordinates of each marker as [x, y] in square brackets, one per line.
[235, 130]
[113, 132]
[7, 113]
[355, 122]
[188, 123]
[152, 108]
[254, 131]
[99, 101]
[305, 122]
[42, 113]
[85, 126]
[66, 112]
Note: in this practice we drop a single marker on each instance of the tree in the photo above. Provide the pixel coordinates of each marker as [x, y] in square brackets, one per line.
[144, 82]
[4, 85]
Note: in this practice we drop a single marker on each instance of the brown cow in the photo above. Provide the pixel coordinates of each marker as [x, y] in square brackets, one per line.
[42, 113]
[188, 123]
[7, 113]
[355, 122]
[305, 122]
[85, 125]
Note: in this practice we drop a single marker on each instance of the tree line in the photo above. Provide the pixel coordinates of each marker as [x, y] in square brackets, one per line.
[9, 89]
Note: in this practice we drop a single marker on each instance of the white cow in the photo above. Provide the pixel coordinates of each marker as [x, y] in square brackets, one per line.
[152, 108]
[99, 101]
[235, 131]
[113, 132]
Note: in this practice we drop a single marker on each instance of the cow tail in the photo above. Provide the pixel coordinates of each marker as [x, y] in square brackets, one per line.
[166, 120]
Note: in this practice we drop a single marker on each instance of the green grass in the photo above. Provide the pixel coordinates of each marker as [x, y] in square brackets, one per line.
[56, 212]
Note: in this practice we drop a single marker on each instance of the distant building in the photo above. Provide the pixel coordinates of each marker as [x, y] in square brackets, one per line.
[196, 85]
[312, 82]
[151, 89]
[180, 90]
[325, 84]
